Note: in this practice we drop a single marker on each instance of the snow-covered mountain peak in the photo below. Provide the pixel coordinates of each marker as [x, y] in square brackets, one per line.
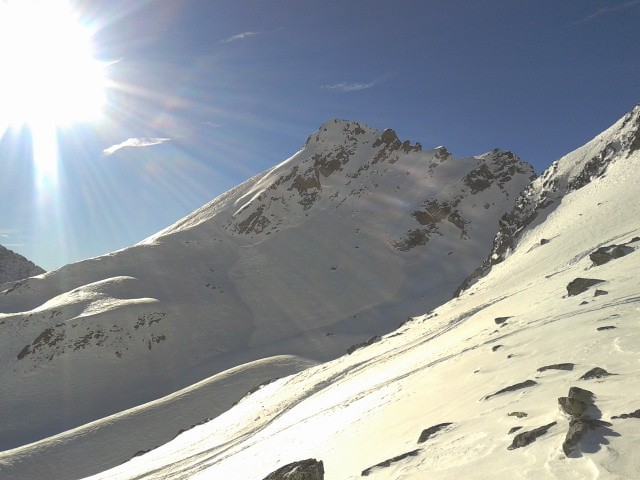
[335, 245]
[351, 168]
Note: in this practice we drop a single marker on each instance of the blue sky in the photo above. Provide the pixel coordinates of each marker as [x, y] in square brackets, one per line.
[204, 94]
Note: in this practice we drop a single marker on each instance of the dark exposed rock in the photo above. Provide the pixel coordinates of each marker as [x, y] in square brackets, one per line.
[525, 438]
[387, 462]
[47, 338]
[389, 138]
[512, 388]
[580, 406]
[598, 293]
[517, 414]
[606, 327]
[255, 222]
[14, 266]
[514, 430]
[414, 238]
[496, 347]
[557, 366]
[310, 469]
[544, 241]
[605, 254]
[479, 179]
[596, 372]
[429, 432]
[572, 406]
[634, 414]
[580, 285]
[501, 320]
[370, 341]
[578, 427]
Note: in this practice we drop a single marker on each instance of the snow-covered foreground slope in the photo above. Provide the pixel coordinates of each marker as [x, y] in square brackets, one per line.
[471, 389]
[340, 242]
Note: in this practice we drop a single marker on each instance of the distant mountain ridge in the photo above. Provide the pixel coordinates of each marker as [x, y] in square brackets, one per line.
[14, 266]
[339, 243]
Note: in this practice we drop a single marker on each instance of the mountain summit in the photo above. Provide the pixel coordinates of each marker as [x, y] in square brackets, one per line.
[329, 249]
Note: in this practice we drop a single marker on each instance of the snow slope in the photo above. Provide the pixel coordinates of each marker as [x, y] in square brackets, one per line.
[341, 242]
[497, 383]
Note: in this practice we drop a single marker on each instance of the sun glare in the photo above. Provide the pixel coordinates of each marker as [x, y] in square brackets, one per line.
[49, 77]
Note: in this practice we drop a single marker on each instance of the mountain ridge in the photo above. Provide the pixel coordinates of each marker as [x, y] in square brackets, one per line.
[543, 195]
[323, 251]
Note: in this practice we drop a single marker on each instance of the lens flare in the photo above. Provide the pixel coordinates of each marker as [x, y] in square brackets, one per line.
[50, 78]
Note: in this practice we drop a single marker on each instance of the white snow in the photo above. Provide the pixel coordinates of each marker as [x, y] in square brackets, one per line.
[358, 410]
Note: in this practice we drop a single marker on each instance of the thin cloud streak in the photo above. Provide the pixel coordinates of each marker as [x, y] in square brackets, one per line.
[134, 142]
[604, 11]
[354, 87]
[240, 36]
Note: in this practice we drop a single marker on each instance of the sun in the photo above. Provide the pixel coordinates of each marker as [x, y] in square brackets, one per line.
[49, 75]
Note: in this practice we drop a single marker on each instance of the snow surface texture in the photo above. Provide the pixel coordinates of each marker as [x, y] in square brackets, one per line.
[340, 243]
[529, 373]
[15, 267]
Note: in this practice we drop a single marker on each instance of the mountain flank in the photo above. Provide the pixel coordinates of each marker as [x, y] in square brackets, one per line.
[339, 244]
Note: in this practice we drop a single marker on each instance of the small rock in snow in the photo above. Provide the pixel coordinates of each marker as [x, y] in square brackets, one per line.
[525, 438]
[429, 432]
[596, 372]
[310, 469]
[580, 285]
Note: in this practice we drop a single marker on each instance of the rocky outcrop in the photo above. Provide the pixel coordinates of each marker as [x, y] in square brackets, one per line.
[596, 372]
[357, 346]
[580, 406]
[389, 461]
[579, 285]
[557, 366]
[525, 438]
[605, 254]
[634, 414]
[310, 469]
[427, 433]
[513, 388]
[14, 266]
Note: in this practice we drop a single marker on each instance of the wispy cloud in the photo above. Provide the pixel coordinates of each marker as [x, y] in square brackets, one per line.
[241, 36]
[606, 10]
[134, 142]
[354, 87]
[9, 232]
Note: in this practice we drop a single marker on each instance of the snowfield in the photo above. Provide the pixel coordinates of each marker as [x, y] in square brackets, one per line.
[532, 372]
